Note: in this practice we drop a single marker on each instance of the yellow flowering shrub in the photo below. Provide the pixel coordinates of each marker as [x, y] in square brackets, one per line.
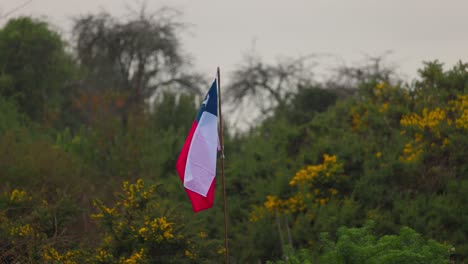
[357, 122]
[103, 256]
[51, 255]
[136, 230]
[319, 181]
[257, 213]
[381, 107]
[310, 175]
[135, 195]
[429, 119]
[431, 127]
[157, 229]
[22, 231]
[314, 183]
[384, 107]
[25, 235]
[135, 258]
[459, 107]
[380, 86]
[411, 152]
[292, 204]
[18, 196]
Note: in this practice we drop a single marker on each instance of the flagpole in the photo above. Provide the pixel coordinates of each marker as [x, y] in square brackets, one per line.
[222, 169]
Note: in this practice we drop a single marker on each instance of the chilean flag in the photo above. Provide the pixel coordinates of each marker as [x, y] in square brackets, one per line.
[196, 164]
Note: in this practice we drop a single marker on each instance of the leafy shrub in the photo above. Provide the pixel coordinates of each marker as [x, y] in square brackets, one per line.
[138, 229]
[361, 246]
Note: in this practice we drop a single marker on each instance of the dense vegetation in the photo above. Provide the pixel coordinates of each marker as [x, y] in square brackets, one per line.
[369, 170]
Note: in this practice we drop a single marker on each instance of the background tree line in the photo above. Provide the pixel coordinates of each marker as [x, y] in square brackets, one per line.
[361, 168]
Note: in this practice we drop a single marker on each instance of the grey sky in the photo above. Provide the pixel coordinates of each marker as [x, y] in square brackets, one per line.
[415, 30]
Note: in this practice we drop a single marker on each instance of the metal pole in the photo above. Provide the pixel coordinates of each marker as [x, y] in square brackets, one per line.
[222, 170]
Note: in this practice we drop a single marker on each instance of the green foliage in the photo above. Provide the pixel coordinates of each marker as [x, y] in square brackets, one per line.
[397, 151]
[34, 162]
[438, 85]
[359, 245]
[139, 228]
[34, 68]
[301, 256]
[307, 102]
[11, 118]
[30, 223]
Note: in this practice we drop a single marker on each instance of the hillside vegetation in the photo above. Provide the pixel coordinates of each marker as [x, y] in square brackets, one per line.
[369, 170]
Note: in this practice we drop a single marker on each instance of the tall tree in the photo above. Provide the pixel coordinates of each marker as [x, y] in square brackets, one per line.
[135, 56]
[34, 67]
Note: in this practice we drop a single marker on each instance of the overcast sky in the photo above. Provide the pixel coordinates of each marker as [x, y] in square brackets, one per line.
[222, 31]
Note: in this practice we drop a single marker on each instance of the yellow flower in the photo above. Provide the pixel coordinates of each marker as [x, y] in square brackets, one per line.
[167, 234]
[22, 231]
[189, 254]
[383, 108]
[103, 256]
[294, 204]
[135, 258]
[272, 203]
[156, 230]
[380, 85]
[18, 195]
[428, 120]
[329, 158]
[333, 191]
[97, 216]
[257, 213]
[411, 153]
[445, 143]
[323, 201]
[109, 210]
[221, 251]
[142, 230]
[417, 137]
[50, 254]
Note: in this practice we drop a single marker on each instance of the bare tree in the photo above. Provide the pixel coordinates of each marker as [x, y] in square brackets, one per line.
[138, 56]
[372, 69]
[135, 58]
[259, 86]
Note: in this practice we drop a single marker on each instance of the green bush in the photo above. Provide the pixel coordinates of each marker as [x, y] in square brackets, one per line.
[362, 246]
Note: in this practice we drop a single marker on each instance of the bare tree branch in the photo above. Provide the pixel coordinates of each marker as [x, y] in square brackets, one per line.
[138, 56]
[268, 85]
[19, 7]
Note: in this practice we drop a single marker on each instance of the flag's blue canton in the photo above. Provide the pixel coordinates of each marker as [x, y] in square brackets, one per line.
[210, 102]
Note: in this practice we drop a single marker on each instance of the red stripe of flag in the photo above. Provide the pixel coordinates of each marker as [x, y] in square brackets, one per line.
[199, 202]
